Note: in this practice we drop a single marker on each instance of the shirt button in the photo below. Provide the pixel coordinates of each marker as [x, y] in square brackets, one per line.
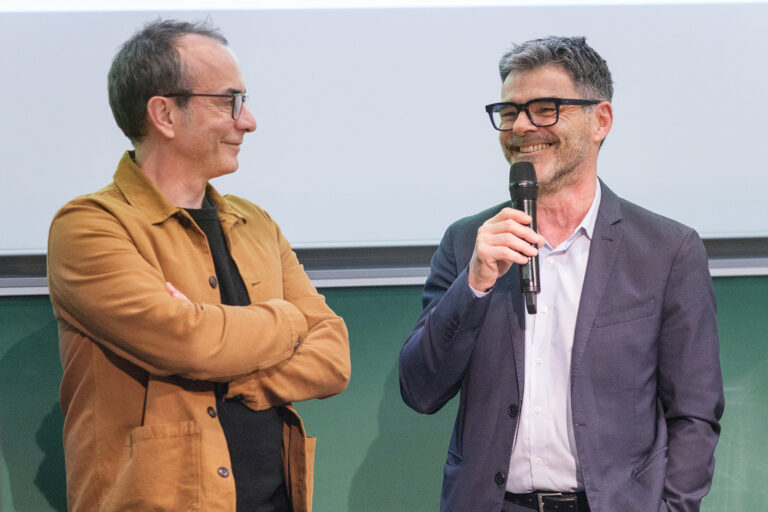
[212, 281]
[211, 412]
[544, 309]
[550, 259]
[512, 410]
[537, 409]
[537, 460]
[500, 478]
[223, 472]
[539, 360]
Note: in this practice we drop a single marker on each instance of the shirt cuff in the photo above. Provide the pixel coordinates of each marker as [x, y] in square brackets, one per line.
[478, 293]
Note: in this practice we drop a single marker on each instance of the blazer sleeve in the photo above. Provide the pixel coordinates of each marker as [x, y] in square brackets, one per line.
[690, 381]
[435, 355]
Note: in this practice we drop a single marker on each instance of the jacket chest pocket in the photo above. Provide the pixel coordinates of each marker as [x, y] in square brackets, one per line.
[628, 313]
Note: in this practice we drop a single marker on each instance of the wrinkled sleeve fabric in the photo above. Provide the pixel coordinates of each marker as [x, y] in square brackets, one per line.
[103, 287]
[436, 354]
[320, 366]
[690, 381]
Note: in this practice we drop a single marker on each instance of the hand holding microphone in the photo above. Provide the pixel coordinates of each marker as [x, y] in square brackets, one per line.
[503, 240]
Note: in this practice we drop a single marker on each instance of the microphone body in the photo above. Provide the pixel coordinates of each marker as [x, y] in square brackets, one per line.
[524, 190]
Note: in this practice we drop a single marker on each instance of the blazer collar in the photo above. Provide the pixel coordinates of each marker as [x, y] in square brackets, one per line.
[603, 252]
[610, 207]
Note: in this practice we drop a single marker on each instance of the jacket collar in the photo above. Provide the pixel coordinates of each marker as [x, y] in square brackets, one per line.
[140, 192]
[609, 212]
[603, 253]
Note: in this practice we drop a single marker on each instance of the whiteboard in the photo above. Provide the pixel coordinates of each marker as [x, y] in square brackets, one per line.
[371, 128]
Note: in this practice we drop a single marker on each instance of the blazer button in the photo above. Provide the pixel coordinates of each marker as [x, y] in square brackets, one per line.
[212, 281]
[500, 478]
[211, 412]
[223, 472]
[513, 409]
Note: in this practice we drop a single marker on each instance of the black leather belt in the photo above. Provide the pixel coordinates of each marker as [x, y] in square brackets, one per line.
[546, 501]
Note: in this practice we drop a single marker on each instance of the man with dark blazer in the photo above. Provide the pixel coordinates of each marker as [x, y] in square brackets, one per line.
[608, 398]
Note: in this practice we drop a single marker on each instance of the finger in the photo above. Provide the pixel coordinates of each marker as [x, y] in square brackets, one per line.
[176, 294]
[486, 268]
[512, 227]
[507, 213]
[508, 240]
[503, 247]
[171, 289]
[507, 249]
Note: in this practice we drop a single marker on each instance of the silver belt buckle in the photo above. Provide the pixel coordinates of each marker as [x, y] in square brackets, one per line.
[541, 495]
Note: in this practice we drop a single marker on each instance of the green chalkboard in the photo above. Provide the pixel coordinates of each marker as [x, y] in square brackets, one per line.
[373, 454]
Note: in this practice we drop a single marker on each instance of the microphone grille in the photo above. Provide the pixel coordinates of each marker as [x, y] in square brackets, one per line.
[522, 181]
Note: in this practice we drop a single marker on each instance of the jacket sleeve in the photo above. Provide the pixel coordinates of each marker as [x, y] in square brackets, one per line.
[690, 381]
[320, 366]
[104, 288]
[436, 354]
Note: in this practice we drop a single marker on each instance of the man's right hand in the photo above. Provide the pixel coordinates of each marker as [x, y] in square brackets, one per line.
[502, 240]
[176, 294]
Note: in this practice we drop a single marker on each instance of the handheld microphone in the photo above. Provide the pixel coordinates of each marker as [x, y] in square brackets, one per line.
[524, 190]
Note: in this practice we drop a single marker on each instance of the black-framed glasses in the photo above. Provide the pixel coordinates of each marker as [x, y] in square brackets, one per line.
[541, 112]
[238, 99]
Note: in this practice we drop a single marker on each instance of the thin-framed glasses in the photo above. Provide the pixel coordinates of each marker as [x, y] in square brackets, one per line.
[238, 99]
[541, 112]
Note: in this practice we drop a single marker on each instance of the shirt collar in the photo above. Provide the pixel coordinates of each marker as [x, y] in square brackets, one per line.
[585, 228]
[142, 193]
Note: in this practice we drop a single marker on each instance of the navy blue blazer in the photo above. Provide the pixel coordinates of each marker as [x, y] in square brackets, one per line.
[646, 387]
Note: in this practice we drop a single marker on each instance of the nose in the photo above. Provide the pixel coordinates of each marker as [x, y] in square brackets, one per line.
[523, 124]
[246, 122]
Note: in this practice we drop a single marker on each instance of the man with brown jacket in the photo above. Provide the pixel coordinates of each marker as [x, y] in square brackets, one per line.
[186, 324]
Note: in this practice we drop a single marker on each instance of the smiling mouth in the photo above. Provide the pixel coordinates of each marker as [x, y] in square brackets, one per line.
[531, 149]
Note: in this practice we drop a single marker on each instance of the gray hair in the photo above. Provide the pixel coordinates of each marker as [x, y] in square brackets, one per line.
[148, 65]
[589, 71]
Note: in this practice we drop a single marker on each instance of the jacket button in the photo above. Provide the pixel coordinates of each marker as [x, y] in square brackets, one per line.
[212, 412]
[500, 478]
[223, 472]
[513, 409]
[212, 281]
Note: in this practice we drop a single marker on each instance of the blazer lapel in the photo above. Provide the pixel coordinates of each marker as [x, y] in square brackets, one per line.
[606, 241]
[516, 317]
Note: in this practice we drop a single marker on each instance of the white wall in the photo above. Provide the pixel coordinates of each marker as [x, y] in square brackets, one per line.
[371, 122]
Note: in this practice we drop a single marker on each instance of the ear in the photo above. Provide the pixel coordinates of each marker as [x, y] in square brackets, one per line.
[160, 115]
[603, 120]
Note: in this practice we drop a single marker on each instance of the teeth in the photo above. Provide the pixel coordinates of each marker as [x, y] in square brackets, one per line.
[528, 149]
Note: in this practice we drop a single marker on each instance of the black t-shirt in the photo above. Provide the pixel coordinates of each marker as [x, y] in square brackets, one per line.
[254, 438]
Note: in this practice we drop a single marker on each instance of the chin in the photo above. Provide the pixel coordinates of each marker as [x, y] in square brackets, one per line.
[231, 166]
[224, 170]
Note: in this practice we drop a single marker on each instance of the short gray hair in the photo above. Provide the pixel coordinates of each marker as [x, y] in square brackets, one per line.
[589, 71]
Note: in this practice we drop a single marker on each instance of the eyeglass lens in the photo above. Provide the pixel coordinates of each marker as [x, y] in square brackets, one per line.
[540, 112]
[237, 105]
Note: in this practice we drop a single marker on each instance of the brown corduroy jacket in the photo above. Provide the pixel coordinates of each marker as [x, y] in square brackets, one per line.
[140, 429]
